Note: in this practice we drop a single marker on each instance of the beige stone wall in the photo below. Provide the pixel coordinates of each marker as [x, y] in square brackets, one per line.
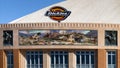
[72, 59]
[101, 58]
[99, 27]
[19, 51]
[118, 59]
[16, 55]
[2, 59]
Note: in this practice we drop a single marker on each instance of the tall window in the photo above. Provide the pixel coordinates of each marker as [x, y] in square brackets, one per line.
[59, 59]
[111, 59]
[34, 59]
[9, 55]
[85, 59]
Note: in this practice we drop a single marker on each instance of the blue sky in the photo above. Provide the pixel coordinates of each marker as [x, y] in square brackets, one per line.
[13, 9]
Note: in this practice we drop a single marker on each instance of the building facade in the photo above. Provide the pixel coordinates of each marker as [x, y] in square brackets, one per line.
[59, 45]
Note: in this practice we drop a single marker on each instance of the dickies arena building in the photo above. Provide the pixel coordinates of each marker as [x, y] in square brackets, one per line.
[69, 34]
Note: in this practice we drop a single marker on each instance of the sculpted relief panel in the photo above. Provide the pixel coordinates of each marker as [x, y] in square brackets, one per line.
[8, 37]
[58, 37]
[110, 37]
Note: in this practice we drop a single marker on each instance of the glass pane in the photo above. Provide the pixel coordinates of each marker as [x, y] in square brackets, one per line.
[92, 52]
[28, 59]
[109, 59]
[83, 59]
[11, 59]
[77, 53]
[61, 59]
[40, 52]
[82, 52]
[65, 52]
[66, 59]
[36, 59]
[52, 59]
[32, 52]
[28, 52]
[32, 59]
[52, 52]
[87, 52]
[8, 59]
[57, 60]
[41, 66]
[78, 59]
[109, 52]
[41, 59]
[92, 59]
[113, 52]
[113, 59]
[61, 52]
[56, 52]
[87, 59]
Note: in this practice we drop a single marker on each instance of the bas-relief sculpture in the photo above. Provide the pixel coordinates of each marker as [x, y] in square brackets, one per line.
[58, 37]
[8, 37]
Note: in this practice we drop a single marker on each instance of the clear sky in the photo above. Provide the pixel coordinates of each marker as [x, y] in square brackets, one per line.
[13, 9]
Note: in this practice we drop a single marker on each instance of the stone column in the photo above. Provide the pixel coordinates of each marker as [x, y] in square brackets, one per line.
[23, 61]
[16, 55]
[72, 59]
[118, 59]
[101, 58]
[46, 59]
[3, 63]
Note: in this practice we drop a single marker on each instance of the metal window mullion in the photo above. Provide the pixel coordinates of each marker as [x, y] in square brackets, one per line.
[27, 60]
[63, 61]
[10, 60]
[30, 60]
[38, 60]
[34, 59]
[85, 56]
[80, 59]
[59, 60]
[54, 60]
[111, 59]
[115, 59]
[90, 64]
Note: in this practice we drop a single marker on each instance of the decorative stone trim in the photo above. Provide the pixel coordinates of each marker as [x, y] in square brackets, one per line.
[56, 25]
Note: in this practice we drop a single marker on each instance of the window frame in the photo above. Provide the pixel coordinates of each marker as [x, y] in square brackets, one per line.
[32, 63]
[79, 55]
[10, 59]
[107, 61]
[64, 62]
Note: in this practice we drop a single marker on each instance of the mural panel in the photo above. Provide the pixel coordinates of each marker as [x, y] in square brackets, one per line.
[110, 37]
[58, 37]
[8, 37]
